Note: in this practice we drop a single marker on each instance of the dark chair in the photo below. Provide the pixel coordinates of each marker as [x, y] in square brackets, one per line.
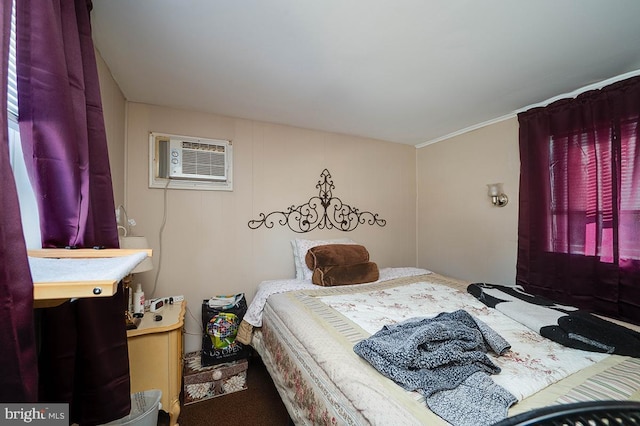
[592, 413]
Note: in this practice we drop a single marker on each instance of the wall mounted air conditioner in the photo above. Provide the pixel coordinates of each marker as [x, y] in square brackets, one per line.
[186, 162]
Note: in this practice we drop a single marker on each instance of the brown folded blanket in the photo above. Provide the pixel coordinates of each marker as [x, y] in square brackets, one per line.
[336, 254]
[359, 273]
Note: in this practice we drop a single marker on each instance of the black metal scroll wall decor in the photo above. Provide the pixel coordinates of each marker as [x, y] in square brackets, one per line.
[322, 212]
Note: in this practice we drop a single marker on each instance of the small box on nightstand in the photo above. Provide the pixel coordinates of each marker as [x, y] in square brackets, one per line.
[202, 383]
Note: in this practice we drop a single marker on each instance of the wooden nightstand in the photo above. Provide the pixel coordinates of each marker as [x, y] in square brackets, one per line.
[155, 356]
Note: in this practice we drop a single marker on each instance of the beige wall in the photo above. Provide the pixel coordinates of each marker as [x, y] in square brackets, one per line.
[208, 249]
[207, 246]
[113, 105]
[460, 233]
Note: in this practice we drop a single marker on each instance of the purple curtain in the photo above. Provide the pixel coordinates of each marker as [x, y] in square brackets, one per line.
[83, 357]
[579, 217]
[18, 366]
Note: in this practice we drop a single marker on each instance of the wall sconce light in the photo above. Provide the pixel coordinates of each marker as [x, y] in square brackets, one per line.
[498, 197]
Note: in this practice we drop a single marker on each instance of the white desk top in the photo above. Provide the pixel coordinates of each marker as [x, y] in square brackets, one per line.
[60, 274]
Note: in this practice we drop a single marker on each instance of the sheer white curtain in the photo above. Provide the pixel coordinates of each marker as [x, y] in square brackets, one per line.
[28, 205]
[26, 197]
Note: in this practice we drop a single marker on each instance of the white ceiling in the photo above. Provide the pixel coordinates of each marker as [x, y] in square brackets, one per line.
[408, 71]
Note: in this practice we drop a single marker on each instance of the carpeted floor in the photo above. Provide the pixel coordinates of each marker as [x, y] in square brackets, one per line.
[258, 405]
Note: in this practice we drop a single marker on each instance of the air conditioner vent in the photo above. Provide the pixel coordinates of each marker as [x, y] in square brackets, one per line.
[198, 163]
[189, 162]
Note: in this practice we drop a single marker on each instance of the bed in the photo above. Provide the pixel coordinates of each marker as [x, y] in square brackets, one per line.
[306, 335]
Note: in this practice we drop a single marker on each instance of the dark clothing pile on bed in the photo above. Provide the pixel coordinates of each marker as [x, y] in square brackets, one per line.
[566, 325]
[445, 359]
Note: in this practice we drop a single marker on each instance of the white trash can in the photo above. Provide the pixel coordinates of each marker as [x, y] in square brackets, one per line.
[144, 410]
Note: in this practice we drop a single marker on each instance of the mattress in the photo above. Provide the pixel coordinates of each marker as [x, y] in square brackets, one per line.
[307, 335]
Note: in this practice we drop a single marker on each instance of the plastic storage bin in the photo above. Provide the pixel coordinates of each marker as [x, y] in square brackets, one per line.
[144, 410]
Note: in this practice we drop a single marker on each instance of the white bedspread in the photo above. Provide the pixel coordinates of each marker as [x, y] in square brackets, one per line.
[532, 364]
[307, 338]
[270, 287]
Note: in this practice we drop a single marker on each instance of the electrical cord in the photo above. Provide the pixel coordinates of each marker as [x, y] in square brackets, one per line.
[197, 322]
[161, 231]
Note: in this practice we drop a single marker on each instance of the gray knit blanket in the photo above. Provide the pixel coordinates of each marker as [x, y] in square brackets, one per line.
[445, 359]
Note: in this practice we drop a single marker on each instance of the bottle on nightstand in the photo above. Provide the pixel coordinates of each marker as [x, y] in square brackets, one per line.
[138, 302]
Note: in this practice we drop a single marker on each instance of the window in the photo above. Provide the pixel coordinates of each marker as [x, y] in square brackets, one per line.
[26, 196]
[588, 191]
[579, 216]
[12, 78]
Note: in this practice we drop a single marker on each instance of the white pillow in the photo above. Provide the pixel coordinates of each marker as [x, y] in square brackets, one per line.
[300, 249]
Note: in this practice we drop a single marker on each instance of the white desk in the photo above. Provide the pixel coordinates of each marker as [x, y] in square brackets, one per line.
[51, 290]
